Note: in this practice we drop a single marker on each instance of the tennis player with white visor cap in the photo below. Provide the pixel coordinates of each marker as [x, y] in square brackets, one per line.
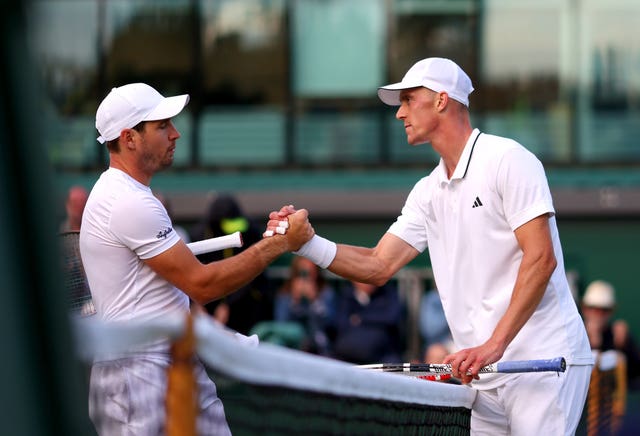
[140, 270]
[486, 216]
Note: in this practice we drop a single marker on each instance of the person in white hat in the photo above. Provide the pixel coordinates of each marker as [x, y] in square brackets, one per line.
[139, 269]
[486, 215]
[606, 333]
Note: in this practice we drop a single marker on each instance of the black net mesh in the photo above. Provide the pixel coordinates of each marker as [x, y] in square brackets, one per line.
[274, 410]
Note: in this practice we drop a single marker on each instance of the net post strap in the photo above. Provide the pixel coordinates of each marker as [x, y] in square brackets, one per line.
[182, 395]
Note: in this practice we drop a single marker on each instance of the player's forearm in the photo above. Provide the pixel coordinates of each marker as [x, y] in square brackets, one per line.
[227, 276]
[531, 284]
[360, 264]
[366, 265]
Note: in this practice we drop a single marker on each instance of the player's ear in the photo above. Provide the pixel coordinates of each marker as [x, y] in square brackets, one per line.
[442, 100]
[127, 138]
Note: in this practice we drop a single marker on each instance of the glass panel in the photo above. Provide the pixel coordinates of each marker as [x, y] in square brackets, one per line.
[331, 137]
[338, 47]
[242, 136]
[609, 116]
[149, 41]
[62, 36]
[244, 52]
[72, 140]
[519, 87]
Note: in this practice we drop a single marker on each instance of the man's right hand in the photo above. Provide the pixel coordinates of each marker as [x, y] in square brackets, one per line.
[298, 229]
[284, 212]
[278, 222]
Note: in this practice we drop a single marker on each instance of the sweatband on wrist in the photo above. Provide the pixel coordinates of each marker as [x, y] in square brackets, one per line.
[318, 250]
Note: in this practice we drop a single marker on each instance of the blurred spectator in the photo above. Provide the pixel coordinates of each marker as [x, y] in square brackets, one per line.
[434, 329]
[184, 235]
[74, 206]
[370, 324]
[252, 303]
[307, 300]
[605, 333]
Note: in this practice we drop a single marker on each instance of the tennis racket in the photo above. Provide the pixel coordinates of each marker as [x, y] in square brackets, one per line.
[75, 280]
[442, 371]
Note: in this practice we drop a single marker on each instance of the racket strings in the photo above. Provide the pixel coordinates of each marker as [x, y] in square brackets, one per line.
[75, 280]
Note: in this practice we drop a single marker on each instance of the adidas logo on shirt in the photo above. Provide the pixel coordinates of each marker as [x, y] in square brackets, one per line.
[477, 203]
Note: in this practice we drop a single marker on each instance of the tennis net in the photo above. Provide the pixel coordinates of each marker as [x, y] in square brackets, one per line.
[271, 390]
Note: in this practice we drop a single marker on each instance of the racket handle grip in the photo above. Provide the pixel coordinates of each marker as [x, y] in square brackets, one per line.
[216, 244]
[557, 364]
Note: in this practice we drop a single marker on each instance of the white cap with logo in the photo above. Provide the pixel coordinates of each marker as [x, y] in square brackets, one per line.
[437, 74]
[128, 105]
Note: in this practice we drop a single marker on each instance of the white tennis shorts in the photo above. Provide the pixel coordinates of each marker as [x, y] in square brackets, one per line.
[543, 403]
[127, 397]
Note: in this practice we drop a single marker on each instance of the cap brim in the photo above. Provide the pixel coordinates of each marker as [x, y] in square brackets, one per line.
[169, 107]
[390, 94]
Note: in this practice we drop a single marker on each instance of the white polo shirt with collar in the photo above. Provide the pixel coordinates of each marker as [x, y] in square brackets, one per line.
[468, 224]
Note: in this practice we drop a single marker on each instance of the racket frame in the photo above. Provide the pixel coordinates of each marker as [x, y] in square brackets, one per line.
[557, 364]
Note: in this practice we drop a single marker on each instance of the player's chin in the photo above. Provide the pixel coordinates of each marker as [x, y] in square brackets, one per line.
[167, 161]
[415, 140]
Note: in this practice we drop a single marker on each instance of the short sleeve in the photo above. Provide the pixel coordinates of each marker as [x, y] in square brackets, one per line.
[141, 223]
[410, 226]
[522, 183]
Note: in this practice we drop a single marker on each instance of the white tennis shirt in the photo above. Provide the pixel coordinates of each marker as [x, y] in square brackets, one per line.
[468, 224]
[124, 223]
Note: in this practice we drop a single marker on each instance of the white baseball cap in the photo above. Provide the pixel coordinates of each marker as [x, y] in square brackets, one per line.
[128, 105]
[599, 294]
[437, 74]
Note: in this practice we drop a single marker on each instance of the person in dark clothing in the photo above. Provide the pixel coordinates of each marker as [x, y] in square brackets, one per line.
[308, 300]
[370, 322]
[252, 303]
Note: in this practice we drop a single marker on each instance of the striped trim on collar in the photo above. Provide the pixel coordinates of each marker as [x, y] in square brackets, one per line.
[473, 146]
[465, 160]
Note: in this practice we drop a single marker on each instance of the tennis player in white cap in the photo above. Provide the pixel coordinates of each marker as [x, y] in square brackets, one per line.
[485, 214]
[139, 269]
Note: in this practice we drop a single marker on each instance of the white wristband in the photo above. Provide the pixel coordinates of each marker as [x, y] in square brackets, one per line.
[318, 250]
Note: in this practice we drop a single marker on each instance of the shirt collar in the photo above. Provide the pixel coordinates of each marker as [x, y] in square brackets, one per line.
[463, 162]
